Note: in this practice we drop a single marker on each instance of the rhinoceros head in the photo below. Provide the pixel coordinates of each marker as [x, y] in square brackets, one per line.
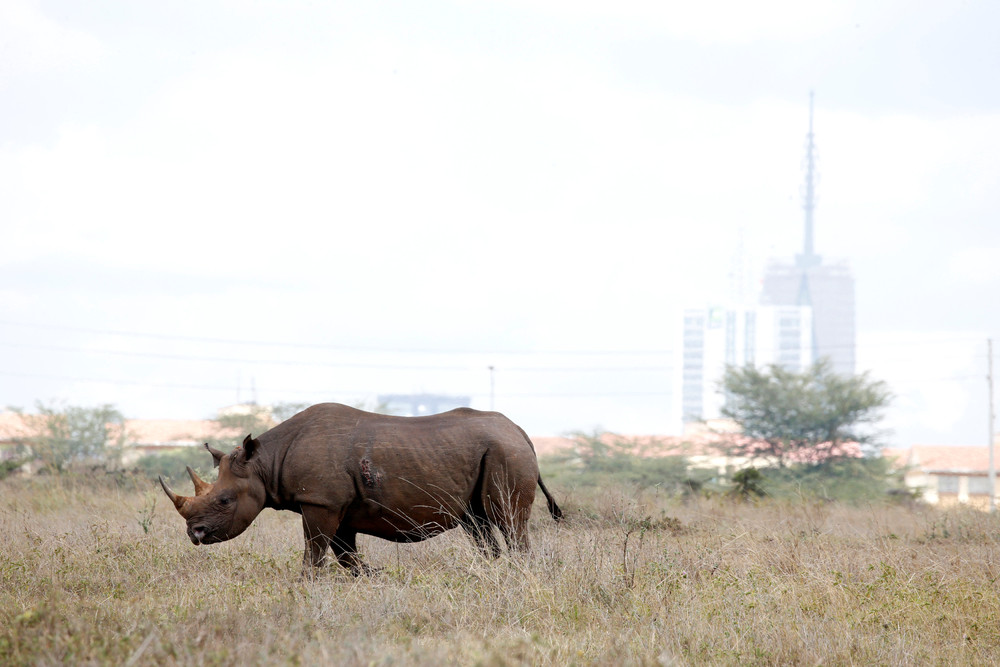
[222, 510]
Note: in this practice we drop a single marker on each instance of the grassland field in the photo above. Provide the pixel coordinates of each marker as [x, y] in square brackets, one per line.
[99, 571]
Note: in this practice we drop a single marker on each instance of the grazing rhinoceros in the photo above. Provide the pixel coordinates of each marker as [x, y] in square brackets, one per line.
[347, 471]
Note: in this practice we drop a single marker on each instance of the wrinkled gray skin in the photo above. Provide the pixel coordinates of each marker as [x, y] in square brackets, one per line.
[347, 471]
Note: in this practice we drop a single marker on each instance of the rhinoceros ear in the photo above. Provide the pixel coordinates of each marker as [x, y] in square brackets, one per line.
[249, 446]
[216, 454]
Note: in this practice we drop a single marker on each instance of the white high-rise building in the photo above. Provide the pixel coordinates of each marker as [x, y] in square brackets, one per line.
[716, 337]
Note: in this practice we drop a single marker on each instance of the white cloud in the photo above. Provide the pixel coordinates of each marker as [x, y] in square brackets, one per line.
[33, 43]
[976, 265]
[935, 377]
[713, 22]
[408, 186]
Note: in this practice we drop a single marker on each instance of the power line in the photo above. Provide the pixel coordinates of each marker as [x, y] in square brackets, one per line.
[235, 360]
[326, 392]
[121, 383]
[327, 364]
[895, 343]
[650, 368]
[327, 346]
[954, 378]
[173, 385]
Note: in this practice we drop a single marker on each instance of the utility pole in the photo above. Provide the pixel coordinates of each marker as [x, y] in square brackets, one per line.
[992, 475]
[493, 389]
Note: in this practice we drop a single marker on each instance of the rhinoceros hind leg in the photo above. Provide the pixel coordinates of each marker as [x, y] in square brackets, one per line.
[515, 533]
[506, 497]
[345, 549]
[481, 531]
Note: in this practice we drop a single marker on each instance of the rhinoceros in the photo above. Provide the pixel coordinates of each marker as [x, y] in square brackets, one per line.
[347, 471]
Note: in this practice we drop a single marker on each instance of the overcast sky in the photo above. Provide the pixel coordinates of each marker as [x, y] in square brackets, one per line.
[217, 201]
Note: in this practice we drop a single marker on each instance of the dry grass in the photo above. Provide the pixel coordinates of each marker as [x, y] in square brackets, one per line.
[627, 580]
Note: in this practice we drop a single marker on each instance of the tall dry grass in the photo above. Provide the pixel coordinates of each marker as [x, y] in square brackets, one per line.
[95, 573]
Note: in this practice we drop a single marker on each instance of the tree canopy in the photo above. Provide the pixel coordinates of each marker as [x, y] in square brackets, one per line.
[802, 417]
[66, 435]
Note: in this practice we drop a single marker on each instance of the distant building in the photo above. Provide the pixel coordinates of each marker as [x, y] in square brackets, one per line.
[805, 312]
[714, 338]
[829, 290]
[417, 405]
[946, 475]
[826, 288]
[15, 440]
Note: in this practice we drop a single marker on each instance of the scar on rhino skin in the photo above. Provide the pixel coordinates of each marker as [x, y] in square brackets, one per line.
[371, 480]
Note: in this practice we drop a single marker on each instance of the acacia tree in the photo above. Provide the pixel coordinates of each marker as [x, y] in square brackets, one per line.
[63, 436]
[254, 419]
[282, 411]
[808, 417]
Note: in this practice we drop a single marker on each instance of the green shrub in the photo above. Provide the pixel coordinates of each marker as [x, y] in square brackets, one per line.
[747, 483]
[852, 480]
[7, 466]
[171, 465]
[600, 460]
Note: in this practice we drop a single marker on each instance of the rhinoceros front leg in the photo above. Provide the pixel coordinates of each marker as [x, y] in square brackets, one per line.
[321, 529]
[317, 541]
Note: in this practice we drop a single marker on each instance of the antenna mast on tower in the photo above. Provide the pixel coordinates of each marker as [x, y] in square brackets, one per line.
[809, 257]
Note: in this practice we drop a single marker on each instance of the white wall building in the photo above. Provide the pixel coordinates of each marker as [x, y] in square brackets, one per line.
[716, 337]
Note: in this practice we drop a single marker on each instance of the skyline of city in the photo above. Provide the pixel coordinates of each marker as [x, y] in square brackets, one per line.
[803, 312]
[333, 202]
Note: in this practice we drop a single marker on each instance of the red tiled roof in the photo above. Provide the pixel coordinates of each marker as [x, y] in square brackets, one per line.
[167, 432]
[547, 445]
[640, 445]
[161, 431]
[696, 444]
[943, 458]
[14, 427]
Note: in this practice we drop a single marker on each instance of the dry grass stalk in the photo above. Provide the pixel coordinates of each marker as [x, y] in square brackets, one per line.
[93, 575]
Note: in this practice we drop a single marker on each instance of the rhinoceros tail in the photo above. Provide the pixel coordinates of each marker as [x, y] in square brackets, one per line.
[553, 508]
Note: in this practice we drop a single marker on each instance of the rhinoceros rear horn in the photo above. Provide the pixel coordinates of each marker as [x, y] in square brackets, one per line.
[178, 501]
[216, 454]
[201, 487]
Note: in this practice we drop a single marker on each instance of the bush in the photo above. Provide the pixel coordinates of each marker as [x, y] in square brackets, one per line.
[172, 464]
[71, 437]
[853, 480]
[747, 483]
[7, 466]
[601, 460]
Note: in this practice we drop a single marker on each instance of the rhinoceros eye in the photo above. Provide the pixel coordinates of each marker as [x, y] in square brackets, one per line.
[225, 500]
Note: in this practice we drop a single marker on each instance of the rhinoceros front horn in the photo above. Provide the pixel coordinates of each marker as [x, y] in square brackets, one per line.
[177, 500]
[201, 487]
